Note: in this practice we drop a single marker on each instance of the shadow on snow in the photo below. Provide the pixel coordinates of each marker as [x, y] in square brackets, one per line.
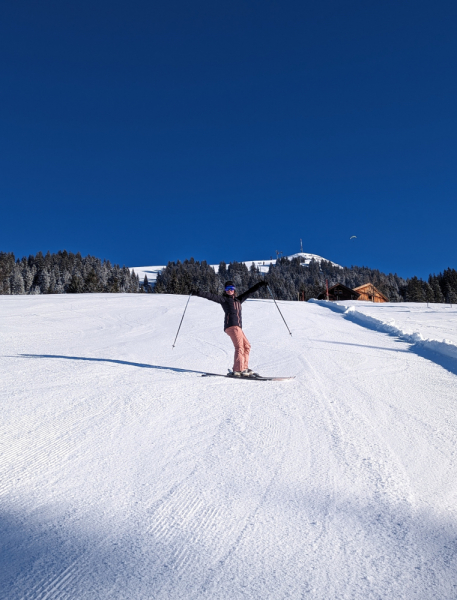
[112, 360]
[398, 553]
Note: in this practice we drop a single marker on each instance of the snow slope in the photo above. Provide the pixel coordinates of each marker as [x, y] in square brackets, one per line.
[125, 474]
[410, 322]
[263, 265]
[436, 321]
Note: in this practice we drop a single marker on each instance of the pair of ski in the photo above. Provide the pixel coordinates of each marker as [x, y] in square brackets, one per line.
[257, 378]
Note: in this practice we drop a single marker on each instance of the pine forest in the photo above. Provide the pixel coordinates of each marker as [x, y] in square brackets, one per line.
[292, 280]
[68, 273]
[63, 273]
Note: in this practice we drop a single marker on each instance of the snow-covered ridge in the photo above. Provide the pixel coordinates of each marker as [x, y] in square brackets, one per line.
[445, 347]
[263, 265]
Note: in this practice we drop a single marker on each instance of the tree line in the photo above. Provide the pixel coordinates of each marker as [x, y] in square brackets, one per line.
[68, 273]
[63, 273]
[291, 280]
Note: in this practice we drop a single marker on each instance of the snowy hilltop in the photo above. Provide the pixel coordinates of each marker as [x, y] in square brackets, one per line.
[262, 265]
[126, 474]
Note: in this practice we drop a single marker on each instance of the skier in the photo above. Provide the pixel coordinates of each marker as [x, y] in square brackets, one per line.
[231, 305]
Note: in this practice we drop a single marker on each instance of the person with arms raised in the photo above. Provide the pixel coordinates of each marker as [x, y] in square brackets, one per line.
[233, 326]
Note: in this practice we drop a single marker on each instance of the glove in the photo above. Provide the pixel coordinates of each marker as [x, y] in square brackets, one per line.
[263, 283]
[194, 292]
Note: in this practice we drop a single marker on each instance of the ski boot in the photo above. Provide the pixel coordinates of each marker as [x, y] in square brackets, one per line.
[234, 373]
[249, 373]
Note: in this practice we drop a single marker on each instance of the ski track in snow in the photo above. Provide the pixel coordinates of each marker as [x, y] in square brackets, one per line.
[125, 474]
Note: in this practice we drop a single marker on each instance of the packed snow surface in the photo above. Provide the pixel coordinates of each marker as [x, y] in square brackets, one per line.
[409, 322]
[436, 321]
[125, 474]
[262, 265]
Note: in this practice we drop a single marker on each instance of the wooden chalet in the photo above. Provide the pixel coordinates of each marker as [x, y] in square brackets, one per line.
[370, 293]
[339, 292]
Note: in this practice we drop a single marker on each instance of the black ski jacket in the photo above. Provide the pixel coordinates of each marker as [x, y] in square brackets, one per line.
[231, 305]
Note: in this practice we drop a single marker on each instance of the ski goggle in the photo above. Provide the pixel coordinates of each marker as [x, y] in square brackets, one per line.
[230, 287]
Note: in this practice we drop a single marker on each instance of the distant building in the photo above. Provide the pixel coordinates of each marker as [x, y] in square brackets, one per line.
[369, 292]
[339, 292]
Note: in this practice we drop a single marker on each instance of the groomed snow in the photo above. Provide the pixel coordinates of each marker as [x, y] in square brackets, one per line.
[125, 474]
[410, 322]
[438, 321]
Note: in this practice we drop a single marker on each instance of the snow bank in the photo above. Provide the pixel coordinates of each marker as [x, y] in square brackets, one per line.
[444, 347]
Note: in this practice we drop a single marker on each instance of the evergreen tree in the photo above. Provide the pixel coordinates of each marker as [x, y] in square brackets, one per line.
[7, 263]
[28, 275]
[76, 285]
[52, 283]
[449, 294]
[114, 282]
[452, 297]
[450, 278]
[91, 282]
[222, 272]
[437, 293]
[17, 282]
[44, 280]
[415, 291]
[428, 292]
[134, 283]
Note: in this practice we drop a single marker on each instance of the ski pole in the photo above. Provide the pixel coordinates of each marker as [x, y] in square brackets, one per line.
[279, 310]
[182, 319]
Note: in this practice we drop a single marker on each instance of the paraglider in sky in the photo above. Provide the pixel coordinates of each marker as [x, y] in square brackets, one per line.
[352, 237]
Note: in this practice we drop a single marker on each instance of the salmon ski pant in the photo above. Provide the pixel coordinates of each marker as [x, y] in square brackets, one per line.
[242, 347]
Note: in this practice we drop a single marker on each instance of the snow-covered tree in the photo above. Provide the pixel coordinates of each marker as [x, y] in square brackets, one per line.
[44, 280]
[28, 275]
[16, 281]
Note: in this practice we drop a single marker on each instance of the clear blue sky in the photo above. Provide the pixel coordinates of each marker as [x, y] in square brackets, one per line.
[148, 131]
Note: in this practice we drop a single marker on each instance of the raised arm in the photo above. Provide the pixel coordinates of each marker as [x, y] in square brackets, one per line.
[208, 296]
[242, 297]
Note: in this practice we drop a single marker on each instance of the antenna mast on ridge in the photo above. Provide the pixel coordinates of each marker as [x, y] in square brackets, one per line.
[301, 246]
